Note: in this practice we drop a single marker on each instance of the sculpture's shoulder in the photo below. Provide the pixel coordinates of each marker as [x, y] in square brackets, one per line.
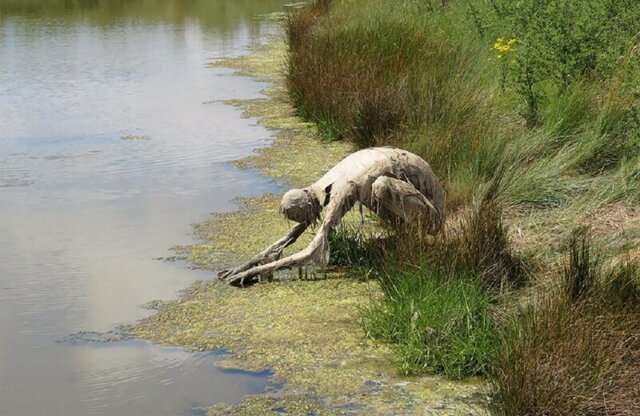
[396, 153]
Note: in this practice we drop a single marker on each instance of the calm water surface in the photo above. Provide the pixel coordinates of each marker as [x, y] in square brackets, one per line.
[85, 210]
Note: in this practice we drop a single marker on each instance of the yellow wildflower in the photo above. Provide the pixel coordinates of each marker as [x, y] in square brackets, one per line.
[502, 47]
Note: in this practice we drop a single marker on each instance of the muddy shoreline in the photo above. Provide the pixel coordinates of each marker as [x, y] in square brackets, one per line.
[307, 332]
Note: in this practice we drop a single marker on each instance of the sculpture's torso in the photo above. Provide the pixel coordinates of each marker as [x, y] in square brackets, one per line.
[362, 168]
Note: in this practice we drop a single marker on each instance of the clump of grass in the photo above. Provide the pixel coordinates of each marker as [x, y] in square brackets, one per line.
[476, 243]
[352, 247]
[624, 284]
[436, 322]
[301, 22]
[485, 248]
[578, 350]
[580, 273]
[440, 293]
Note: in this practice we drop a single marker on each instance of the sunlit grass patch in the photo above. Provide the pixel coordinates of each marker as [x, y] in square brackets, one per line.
[437, 323]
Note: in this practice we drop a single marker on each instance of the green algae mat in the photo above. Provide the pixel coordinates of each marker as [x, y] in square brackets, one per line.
[308, 332]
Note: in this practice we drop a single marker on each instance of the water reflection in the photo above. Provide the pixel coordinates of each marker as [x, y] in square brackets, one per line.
[113, 140]
[127, 378]
[221, 15]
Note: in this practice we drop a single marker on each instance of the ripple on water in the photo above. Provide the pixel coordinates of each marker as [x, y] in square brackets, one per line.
[15, 178]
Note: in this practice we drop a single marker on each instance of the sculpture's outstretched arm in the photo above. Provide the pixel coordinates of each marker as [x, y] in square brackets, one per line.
[317, 251]
[273, 252]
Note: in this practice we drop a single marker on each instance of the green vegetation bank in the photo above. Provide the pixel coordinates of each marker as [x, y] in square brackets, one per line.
[529, 111]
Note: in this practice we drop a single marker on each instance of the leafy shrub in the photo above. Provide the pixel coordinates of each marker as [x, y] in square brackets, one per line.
[557, 43]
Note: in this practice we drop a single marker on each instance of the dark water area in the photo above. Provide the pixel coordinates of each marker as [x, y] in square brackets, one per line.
[113, 140]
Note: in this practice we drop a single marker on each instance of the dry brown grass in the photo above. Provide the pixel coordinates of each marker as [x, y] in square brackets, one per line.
[577, 351]
[579, 360]
[340, 91]
[474, 242]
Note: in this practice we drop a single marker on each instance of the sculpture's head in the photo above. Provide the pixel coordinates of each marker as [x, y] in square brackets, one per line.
[300, 205]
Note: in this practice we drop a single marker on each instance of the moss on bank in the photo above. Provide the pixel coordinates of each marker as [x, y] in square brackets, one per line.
[308, 332]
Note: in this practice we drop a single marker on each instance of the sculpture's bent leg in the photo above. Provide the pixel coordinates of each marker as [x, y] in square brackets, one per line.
[399, 201]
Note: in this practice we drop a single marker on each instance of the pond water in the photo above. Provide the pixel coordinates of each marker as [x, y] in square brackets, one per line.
[113, 140]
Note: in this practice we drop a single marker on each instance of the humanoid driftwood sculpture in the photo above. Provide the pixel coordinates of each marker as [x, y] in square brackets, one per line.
[398, 186]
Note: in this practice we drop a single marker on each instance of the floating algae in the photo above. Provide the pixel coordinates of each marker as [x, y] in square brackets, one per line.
[269, 405]
[307, 331]
[134, 137]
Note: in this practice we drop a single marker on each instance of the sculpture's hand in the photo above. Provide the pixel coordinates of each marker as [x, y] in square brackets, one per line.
[316, 252]
[272, 252]
[343, 197]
